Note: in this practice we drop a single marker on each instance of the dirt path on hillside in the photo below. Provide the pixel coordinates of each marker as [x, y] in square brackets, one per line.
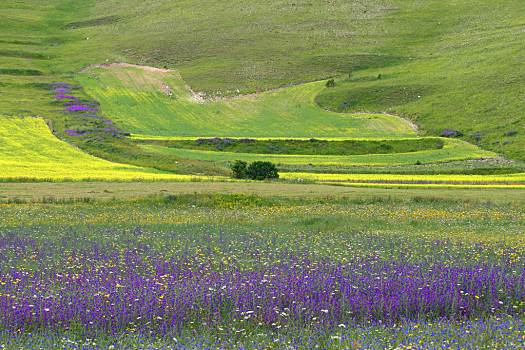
[123, 64]
[414, 126]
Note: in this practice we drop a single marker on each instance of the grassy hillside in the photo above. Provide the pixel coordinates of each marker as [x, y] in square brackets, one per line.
[149, 102]
[466, 68]
[438, 64]
[158, 103]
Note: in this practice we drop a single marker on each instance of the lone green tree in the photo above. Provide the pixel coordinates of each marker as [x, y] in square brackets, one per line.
[262, 170]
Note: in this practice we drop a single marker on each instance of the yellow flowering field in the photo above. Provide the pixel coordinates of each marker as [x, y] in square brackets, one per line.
[30, 151]
[461, 181]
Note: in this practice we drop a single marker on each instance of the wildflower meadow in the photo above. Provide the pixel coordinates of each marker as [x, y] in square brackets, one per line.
[243, 272]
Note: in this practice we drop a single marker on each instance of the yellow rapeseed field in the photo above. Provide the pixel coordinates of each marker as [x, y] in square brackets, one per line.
[30, 151]
[461, 181]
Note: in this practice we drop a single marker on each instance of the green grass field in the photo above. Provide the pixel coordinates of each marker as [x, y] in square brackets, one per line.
[452, 150]
[160, 103]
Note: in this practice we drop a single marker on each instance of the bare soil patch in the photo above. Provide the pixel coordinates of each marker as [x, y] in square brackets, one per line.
[123, 64]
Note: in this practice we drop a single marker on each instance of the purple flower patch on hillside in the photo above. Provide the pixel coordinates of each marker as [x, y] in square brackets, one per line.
[86, 116]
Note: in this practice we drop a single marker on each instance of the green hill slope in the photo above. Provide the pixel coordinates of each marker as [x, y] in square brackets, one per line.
[159, 103]
[443, 64]
[463, 58]
[155, 104]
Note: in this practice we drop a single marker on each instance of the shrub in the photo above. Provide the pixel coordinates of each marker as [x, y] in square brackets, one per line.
[330, 83]
[262, 170]
[239, 169]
